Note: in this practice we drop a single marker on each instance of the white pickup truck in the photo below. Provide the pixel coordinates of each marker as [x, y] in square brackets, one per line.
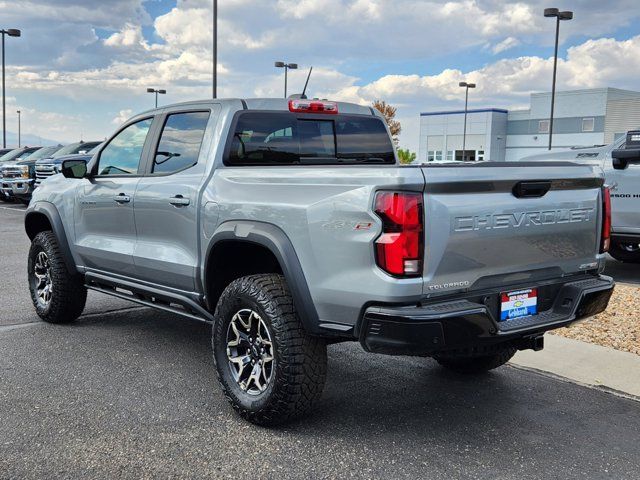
[623, 177]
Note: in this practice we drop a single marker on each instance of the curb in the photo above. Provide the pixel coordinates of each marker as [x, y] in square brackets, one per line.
[586, 364]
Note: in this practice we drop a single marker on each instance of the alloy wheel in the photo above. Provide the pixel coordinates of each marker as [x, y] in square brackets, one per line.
[43, 282]
[250, 352]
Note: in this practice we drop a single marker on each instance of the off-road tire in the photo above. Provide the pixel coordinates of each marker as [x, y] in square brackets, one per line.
[477, 364]
[68, 296]
[622, 254]
[300, 369]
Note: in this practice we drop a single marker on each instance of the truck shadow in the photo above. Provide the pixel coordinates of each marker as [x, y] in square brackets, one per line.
[366, 394]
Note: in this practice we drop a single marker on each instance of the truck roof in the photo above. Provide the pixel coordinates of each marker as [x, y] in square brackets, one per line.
[260, 104]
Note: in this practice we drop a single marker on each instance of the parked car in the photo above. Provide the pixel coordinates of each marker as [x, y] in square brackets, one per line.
[19, 177]
[4, 151]
[45, 167]
[625, 194]
[7, 159]
[289, 225]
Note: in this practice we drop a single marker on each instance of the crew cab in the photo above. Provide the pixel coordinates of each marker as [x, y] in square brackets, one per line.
[289, 225]
[624, 181]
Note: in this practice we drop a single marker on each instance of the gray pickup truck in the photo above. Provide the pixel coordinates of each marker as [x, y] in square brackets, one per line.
[623, 178]
[289, 225]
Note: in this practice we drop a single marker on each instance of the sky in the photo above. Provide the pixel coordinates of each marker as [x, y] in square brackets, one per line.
[82, 67]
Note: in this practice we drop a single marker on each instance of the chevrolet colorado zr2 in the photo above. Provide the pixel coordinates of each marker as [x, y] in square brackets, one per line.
[289, 225]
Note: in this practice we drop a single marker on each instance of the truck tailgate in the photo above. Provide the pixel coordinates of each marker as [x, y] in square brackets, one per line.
[489, 225]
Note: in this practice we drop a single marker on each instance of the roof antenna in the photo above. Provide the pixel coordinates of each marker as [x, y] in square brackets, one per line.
[303, 96]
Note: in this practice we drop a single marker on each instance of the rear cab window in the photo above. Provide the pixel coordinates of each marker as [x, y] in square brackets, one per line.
[284, 138]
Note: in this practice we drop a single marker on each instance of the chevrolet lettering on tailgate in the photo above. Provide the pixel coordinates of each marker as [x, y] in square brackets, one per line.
[523, 219]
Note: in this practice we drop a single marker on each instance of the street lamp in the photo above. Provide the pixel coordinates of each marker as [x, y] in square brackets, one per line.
[286, 66]
[19, 135]
[12, 32]
[567, 15]
[153, 90]
[215, 48]
[467, 86]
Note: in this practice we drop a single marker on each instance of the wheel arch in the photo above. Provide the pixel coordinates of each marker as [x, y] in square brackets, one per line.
[44, 216]
[275, 244]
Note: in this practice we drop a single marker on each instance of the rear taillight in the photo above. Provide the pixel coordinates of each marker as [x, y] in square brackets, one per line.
[313, 106]
[399, 249]
[605, 238]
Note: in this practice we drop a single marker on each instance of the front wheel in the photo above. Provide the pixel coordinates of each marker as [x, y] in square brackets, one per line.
[625, 251]
[477, 364]
[57, 295]
[270, 370]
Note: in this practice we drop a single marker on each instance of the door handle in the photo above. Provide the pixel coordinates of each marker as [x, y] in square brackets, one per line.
[179, 201]
[122, 198]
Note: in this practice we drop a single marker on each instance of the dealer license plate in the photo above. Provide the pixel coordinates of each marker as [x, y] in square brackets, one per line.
[520, 303]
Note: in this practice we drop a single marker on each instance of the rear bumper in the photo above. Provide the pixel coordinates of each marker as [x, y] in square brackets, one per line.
[462, 325]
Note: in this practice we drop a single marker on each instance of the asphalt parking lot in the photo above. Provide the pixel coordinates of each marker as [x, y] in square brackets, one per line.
[127, 392]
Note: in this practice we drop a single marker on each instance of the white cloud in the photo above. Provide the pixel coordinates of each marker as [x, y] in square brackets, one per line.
[123, 116]
[505, 44]
[130, 35]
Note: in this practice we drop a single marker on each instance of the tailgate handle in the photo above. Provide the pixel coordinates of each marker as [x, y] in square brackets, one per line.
[531, 189]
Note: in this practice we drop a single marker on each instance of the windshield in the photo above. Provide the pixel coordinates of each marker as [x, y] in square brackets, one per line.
[17, 154]
[44, 152]
[75, 148]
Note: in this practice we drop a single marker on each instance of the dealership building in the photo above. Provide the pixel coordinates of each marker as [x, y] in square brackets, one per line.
[581, 118]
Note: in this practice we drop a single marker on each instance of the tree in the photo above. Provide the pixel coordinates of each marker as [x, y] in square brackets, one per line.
[389, 114]
[406, 156]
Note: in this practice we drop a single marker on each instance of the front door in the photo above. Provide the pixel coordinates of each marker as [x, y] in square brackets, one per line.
[104, 221]
[166, 207]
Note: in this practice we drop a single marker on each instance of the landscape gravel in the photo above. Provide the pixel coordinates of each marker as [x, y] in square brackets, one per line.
[617, 327]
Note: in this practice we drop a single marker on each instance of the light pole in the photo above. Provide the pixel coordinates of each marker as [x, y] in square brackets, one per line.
[550, 13]
[286, 66]
[153, 90]
[467, 86]
[12, 32]
[19, 133]
[215, 48]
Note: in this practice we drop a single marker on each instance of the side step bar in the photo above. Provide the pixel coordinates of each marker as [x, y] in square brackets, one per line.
[145, 295]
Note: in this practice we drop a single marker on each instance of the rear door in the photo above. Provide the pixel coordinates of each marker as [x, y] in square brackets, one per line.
[491, 225]
[104, 222]
[167, 198]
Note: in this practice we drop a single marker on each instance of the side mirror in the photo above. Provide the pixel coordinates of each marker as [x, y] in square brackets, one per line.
[622, 157]
[74, 168]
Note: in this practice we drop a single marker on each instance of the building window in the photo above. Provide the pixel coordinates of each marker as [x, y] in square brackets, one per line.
[438, 155]
[430, 156]
[588, 124]
[480, 155]
[449, 155]
[543, 126]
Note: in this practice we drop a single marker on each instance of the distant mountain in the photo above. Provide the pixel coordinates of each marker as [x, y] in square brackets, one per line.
[27, 139]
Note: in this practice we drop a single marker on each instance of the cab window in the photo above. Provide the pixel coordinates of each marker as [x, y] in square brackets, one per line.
[123, 153]
[180, 142]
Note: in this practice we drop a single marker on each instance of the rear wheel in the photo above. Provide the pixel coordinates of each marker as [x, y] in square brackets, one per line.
[57, 295]
[270, 370]
[625, 251]
[477, 364]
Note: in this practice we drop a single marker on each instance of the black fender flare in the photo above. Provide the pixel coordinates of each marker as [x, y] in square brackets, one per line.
[50, 211]
[278, 243]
